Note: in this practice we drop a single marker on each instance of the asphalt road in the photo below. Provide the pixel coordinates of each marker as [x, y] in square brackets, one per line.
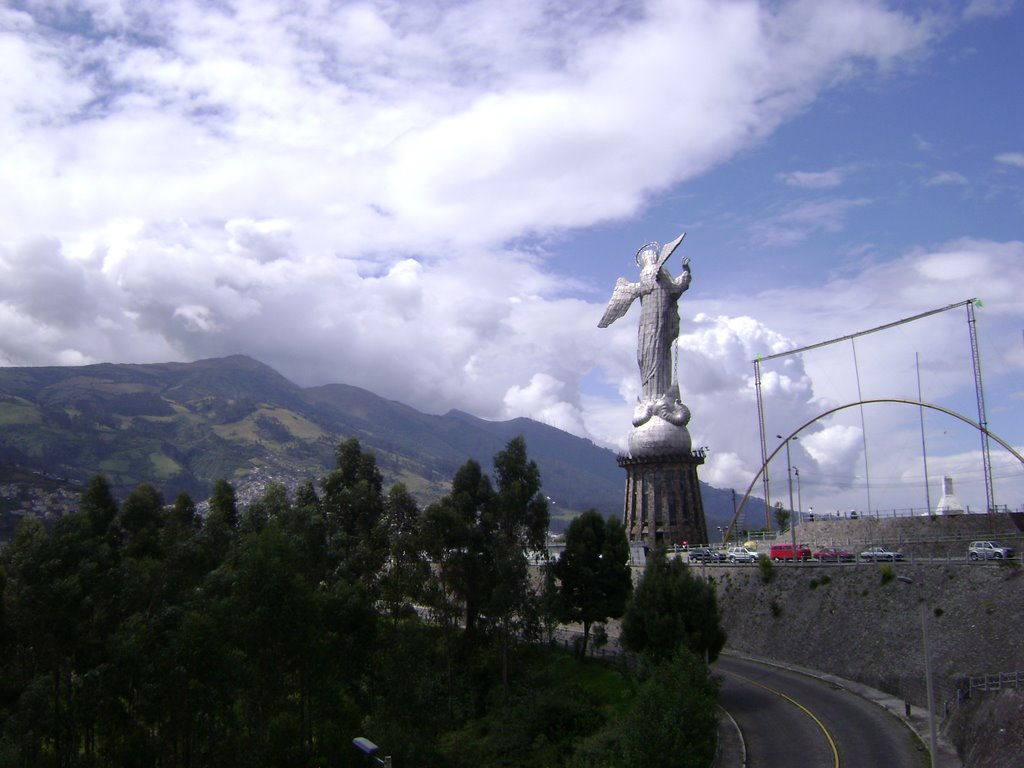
[790, 719]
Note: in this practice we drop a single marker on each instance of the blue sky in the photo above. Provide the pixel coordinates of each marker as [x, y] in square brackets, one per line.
[433, 201]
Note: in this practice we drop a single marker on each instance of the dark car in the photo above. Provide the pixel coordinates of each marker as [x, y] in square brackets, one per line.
[706, 555]
[833, 555]
[880, 553]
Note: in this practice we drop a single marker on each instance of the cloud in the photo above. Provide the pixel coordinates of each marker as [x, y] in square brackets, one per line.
[800, 221]
[407, 127]
[373, 194]
[988, 8]
[812, 179]
[931, 356]
[1015, 159]
[945, 178]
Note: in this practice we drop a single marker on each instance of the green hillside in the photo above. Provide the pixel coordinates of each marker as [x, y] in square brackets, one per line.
[182, 426]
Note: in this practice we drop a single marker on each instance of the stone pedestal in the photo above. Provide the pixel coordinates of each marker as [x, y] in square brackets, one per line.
[663, 501]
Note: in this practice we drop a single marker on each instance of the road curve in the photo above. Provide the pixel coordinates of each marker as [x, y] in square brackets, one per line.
[791, 719]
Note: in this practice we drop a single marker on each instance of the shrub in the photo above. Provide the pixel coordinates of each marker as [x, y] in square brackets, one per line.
[673, 719]
[766, 568]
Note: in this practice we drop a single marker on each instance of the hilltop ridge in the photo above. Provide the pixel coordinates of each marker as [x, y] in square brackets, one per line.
[182, 426]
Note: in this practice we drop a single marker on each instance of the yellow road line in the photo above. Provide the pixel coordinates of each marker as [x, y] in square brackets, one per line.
[798, 705]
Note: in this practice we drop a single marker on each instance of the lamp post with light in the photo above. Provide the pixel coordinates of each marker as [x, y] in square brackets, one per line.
[799, 495]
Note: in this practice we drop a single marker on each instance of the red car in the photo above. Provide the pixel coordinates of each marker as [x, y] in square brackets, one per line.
[833, 555]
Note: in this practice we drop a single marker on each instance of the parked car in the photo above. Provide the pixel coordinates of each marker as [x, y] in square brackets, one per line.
[741, 555]
[785, 552]
[880, 553]
[706, 555]
[988, 550]
[833, 555]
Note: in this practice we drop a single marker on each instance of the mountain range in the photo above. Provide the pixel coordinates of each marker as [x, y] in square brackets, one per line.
[182, 426]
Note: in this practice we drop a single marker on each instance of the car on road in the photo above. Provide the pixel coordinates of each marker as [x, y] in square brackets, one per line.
[988, 550]
[741, 555]
[706, 555]
[880, 553]
[833, 555]
[785, 552]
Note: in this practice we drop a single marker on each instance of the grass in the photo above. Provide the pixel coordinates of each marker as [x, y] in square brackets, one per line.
[164, 466]
[18, 412]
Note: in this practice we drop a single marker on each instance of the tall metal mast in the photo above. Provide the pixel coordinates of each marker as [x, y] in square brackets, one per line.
[986, 457]
[764, 451]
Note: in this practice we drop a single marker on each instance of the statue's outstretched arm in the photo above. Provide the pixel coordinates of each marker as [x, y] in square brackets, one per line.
[677, 286]
[622, 297]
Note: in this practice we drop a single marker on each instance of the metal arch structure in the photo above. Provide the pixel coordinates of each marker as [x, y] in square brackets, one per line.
[898, 400]
[982, 424]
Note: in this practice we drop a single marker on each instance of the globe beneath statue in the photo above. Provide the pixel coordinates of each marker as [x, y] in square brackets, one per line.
[658, 437]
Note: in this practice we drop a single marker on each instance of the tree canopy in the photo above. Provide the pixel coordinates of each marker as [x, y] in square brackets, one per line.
[273, 632]
[672, 608]
[592, 574]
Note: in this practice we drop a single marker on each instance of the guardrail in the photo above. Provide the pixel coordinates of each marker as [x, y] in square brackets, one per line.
[996, 682]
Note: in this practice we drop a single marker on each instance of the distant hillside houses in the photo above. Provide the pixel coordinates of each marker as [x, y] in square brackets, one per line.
[19, 501]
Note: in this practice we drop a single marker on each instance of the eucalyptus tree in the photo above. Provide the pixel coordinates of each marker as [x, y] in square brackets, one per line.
[520, 520]
[98, 504]
[672, 608]
[672, 719]
[221, 522]
[480, 537]
[455, 537]
[353, 504]
[593, 579]
[407, 570]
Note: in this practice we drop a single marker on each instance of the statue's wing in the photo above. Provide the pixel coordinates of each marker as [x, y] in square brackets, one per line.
[622, 297]
[668, 249]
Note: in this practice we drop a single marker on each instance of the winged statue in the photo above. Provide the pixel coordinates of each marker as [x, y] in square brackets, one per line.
[625, 292]
[659, 294]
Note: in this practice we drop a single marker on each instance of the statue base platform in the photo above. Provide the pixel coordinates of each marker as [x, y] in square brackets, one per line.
[662, 500]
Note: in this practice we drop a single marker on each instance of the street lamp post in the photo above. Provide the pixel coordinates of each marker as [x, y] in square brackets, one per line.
[933, 739]
[792, 515]
[799, 495]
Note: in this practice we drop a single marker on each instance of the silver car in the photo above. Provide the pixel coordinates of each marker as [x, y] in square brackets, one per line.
[988, 550]
[880, 553]
[741, 555]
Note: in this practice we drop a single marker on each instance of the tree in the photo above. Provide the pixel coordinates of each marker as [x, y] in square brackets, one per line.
[518, 523]
[782, 516]
[182, 517]
[353, 503]
[140, 519]
[272, 505]
[223, 504]
[407, 571]
[592, 572]
[455, 538]
[674, 716]
[671, 607]
[480, 538]
[98, 505]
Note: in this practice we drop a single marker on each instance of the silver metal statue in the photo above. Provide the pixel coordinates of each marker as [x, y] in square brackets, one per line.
[659, 294]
